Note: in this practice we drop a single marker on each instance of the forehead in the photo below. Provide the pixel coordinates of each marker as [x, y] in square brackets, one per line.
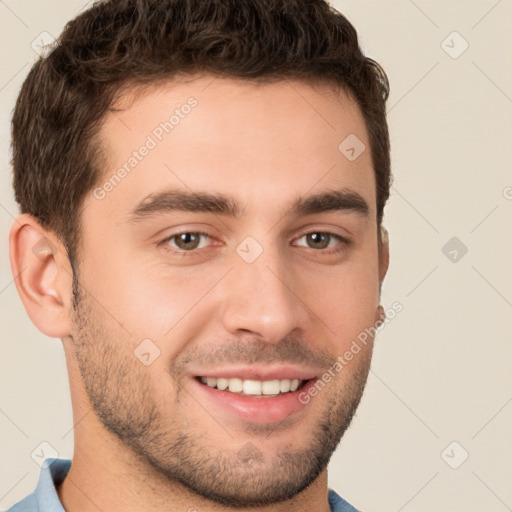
[259, 141]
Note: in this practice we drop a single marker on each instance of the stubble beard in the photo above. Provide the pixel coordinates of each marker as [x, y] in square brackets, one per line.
[122, 396]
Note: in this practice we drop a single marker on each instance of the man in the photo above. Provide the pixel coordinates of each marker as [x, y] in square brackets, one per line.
[202, 187]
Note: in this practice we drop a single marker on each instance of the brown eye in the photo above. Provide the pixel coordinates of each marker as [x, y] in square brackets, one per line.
[320, 240]
[187, 241]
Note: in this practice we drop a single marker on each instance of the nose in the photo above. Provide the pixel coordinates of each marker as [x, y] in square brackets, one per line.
[263, 298]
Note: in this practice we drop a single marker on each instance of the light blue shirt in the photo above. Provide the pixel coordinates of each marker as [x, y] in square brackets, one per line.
[53, 472]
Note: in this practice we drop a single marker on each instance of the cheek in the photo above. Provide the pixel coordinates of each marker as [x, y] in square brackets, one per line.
[345, 300]
[165, 305]
[139, 297]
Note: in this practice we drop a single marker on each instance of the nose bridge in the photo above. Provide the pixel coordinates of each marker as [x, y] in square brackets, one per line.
[259, 295]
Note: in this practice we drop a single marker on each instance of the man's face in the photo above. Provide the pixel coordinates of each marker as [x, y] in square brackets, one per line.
[273, 291]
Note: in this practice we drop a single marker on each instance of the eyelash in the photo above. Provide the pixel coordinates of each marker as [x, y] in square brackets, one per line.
[345, 243]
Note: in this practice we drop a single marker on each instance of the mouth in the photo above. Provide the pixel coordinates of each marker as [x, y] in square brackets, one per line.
[254, 388]
[259, 397]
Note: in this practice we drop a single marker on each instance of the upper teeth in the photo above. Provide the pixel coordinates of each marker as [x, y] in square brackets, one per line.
[252, 387]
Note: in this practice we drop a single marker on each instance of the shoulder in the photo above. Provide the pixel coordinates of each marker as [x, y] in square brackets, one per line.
[27, 504]
[338, 504]
[44, 498]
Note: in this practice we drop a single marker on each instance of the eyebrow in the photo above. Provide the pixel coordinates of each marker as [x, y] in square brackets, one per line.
[168, 201]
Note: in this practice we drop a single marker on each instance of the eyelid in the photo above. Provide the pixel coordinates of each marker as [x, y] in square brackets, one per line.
[328, 229]
[344, 241]
[177, 250]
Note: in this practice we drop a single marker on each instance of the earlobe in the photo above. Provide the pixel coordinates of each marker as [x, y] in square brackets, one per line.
[42, 275]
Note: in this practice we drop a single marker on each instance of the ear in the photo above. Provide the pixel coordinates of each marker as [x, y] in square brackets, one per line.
[43, 275]
[383, 254]
[380, 314]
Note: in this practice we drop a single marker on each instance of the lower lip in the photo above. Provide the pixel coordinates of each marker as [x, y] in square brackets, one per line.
[256, 410]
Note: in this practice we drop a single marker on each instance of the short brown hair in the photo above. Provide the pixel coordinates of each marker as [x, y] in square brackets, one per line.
[120, 42]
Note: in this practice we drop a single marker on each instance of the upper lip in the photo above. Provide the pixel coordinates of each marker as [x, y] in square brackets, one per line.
[263, 373]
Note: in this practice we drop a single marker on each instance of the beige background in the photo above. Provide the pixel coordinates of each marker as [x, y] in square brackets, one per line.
[442, 368]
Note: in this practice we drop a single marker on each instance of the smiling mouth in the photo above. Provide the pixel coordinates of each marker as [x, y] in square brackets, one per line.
[254, 388]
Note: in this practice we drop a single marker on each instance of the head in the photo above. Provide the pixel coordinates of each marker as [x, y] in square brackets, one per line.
[185, 163]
